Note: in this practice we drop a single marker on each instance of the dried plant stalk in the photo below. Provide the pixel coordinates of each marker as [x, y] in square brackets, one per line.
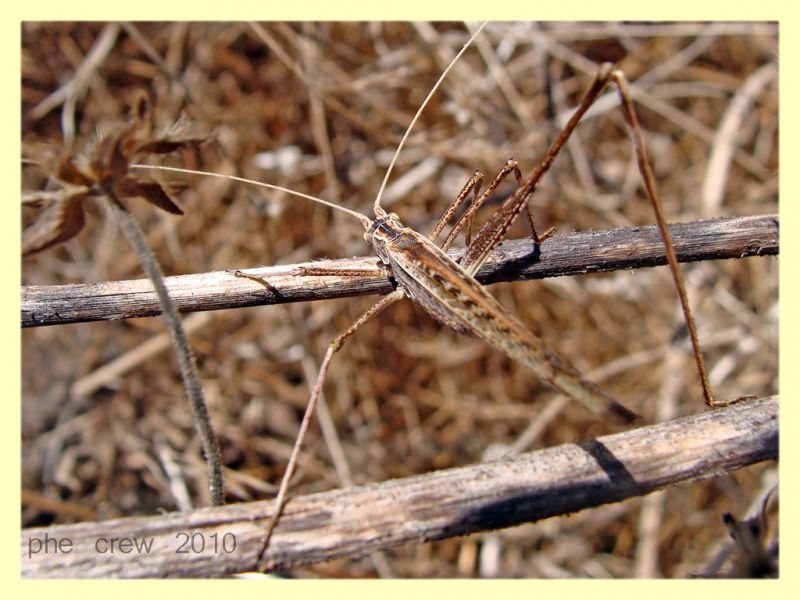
[454, 502]
[569, 254]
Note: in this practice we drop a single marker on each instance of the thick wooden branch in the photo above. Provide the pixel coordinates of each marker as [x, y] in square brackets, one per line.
[357, 521]
[590, 252]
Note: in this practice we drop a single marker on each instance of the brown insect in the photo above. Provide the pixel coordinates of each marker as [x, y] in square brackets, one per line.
[447, 290]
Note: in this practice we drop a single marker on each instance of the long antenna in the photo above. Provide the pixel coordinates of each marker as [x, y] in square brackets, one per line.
[366, 221]
[378, 209]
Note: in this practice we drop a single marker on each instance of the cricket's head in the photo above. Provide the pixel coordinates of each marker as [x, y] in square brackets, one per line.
[384, 229]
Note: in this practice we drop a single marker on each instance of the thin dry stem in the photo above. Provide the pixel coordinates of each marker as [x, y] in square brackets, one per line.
[573, 254]
[183, 351]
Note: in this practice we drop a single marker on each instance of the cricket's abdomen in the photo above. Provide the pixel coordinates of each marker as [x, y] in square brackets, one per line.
[449, 294]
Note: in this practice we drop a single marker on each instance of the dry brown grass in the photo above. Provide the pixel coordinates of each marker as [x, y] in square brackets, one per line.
[405, 396]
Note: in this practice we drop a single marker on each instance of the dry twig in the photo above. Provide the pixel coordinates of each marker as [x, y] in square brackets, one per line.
[592, 252]
[356, 521]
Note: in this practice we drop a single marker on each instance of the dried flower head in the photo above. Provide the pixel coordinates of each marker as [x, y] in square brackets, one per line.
[103, 169]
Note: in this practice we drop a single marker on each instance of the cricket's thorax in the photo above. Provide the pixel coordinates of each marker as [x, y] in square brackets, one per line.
[385, 231]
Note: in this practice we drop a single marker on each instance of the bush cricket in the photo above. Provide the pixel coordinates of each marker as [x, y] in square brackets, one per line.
[518, 156]
[448, 292]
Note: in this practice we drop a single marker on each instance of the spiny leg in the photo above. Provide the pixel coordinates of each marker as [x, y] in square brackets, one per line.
[333, 347]
[632, 124]
[495, 229]
[479, 200]
[466, 217]
[537, 239]
[473, 185]
[512, 164]
[314, 271]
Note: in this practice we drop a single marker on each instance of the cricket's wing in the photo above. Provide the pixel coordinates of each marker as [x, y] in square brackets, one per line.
[446, 291]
